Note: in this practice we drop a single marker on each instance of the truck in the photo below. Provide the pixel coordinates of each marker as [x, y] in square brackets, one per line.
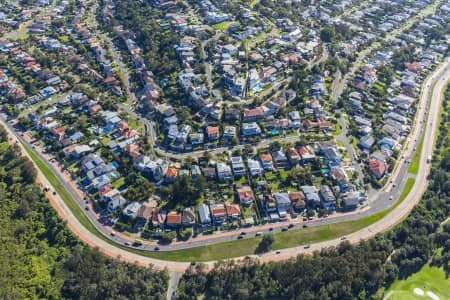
[428, 159]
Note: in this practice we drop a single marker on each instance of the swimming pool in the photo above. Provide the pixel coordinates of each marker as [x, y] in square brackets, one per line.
[114, 164]
[275, 50]
[114, 173]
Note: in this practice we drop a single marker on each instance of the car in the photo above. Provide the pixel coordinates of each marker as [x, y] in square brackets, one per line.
[113, 233]
[291, 226]
[86, 208]
[343, 238]
[305, 219]
[307, 246]
[284, 229]
[243, 233]
[54, 193]
[127, 243]
[240, 237]
[156, 248]
[390, 197]
[247, 257]
[305, 226]
[278, 252]
[310, 218]
[270, 229]
[258, 233]
[193, 263]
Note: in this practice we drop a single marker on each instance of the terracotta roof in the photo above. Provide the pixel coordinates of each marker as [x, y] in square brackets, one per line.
[232, 209]
[212, 129]
[172, 172]
[302, 150]
[265, 157]
[173, 218]
[291, 152]
[255, 112]
[218, 211]
[104, 189]
[378, 167]
[245, 193]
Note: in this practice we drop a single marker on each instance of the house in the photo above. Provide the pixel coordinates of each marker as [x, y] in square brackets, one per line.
[218, 213]
[237, 165]
[173, 219]
[377, 167]
[339, 176]
[293, 156]
[229, 132]
[351, 200]
[282, 200]
[212, 132]
[195, 172]
[306, 154]
[159, 217]
[328, 198]
[131, 209]
[133, 151]
[171, 174]
[366, 142]
[268, 202]
[333, 158]
[224, 172]
[298, 200]
[116, 203]
[144, 213]
[280, 159]
[266, 161]
[103, 191]
[204, 214]
[233, 210]
[209, 173]
[254, 167]
[295, 119]
[245, 195]
[188, 217]
[312, 195]
[250, 129]
[253, 114]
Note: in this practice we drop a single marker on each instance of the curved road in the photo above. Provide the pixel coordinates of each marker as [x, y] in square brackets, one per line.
[439, 78]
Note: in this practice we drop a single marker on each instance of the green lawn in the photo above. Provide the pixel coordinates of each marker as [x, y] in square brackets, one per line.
[119, 182]
[65, 195]
[222, 26]
[428, 279]
[282, 240]
[408, 186]
[338, 129]
[415, 161]
[230, 249]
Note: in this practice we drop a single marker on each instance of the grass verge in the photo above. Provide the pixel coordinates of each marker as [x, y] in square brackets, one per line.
[227, 249]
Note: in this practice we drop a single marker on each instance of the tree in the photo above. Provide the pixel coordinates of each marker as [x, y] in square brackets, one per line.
[265, 244]
[327, 34]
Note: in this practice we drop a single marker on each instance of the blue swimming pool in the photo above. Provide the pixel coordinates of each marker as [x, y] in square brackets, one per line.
[325, 170]
[114, 173]
[114, 164]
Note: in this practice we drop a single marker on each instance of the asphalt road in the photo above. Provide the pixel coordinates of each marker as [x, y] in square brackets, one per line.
[376, 205]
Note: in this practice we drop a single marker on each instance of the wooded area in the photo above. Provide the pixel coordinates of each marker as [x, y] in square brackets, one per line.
[40, 256]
